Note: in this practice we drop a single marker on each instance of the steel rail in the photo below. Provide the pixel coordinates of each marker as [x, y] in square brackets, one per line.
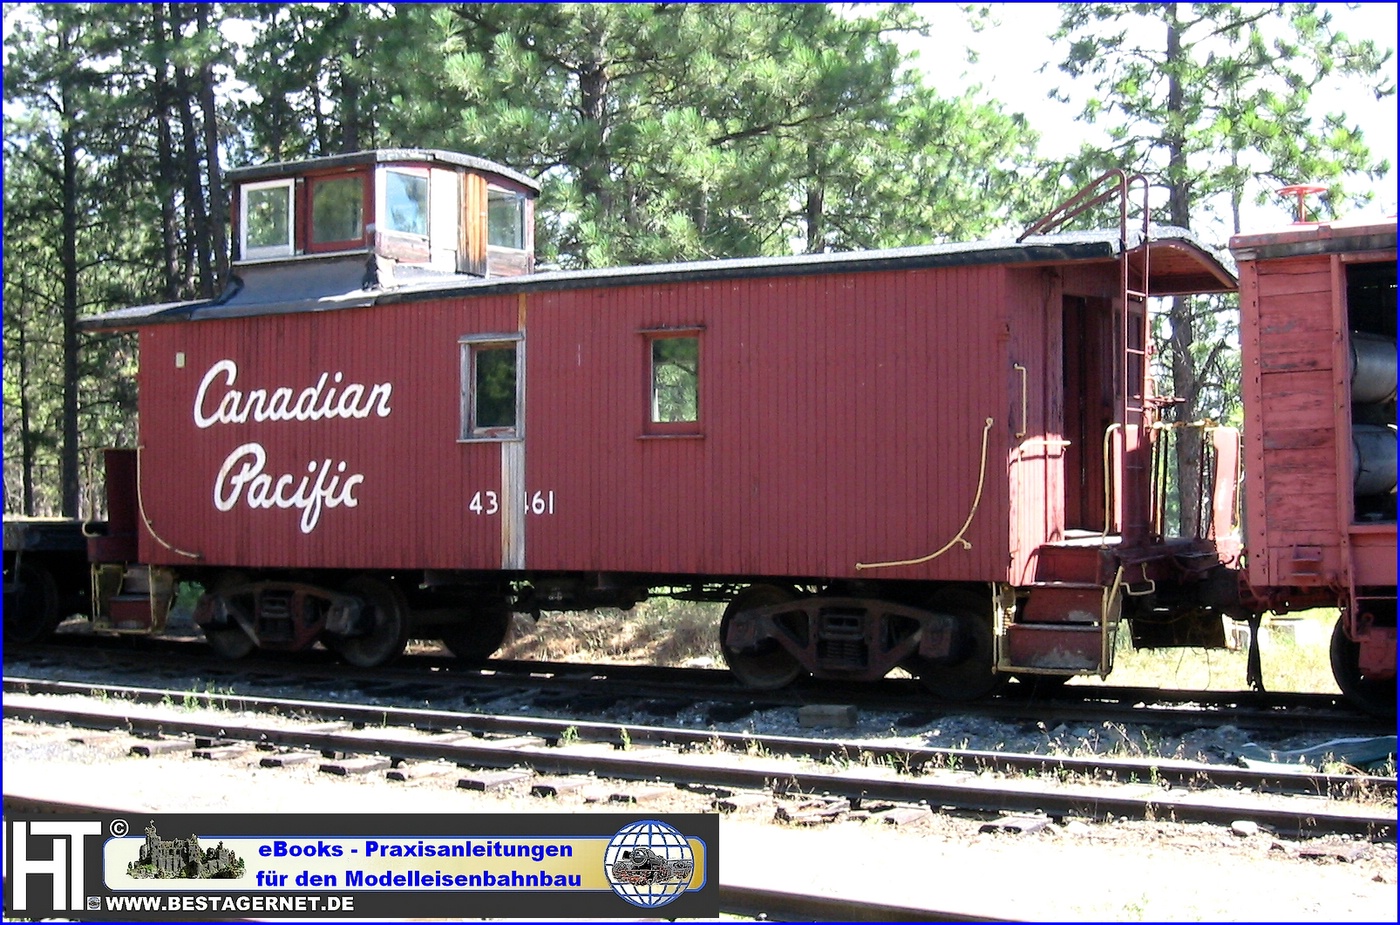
[1159, 770]
[938, 789]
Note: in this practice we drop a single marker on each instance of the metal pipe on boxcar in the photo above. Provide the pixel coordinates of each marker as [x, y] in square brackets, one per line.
[1373, 459]
[1373, 368]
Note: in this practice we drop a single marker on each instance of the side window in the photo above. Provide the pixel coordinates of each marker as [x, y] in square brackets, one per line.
[505, 218]
[674, 382]
[337, 210]
[492, 394]
[405, 201]
[265, 220]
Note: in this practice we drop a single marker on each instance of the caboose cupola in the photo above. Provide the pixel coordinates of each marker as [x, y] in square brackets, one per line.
[427, 212]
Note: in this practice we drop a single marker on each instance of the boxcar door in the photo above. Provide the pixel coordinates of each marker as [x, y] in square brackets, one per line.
[1090, 408]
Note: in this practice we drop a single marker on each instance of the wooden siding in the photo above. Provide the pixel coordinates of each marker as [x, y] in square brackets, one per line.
[1293, 422]
[473, 247]
[841, 422]
[1037, 459]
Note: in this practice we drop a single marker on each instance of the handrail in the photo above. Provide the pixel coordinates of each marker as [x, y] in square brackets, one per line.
[1022, 370]
[1089, 197]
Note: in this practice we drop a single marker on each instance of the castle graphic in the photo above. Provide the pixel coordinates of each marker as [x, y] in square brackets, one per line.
[183, 858]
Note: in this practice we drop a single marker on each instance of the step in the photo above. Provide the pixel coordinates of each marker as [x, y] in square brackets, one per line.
[130, 611]
[1064, 646]
[1077, 562]
[1074, 602]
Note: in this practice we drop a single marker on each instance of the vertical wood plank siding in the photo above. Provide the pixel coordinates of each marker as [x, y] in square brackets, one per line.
[473, 224]
[1292, 424]
[841, 420]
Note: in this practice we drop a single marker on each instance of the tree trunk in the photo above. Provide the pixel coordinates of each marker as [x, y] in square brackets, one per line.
[218, 220]
[816, 232]
[167, 181]
[26, 438]
[199, 232]
[1185, 376]
[68, 256]
[591, 158]
[343, 26]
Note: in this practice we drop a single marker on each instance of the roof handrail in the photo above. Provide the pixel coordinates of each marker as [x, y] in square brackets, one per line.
[1115, 182]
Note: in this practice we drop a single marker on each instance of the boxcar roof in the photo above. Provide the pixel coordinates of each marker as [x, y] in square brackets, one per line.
[1179, 265]
[1300, 240]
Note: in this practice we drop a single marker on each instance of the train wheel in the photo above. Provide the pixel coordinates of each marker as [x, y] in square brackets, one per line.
[31, 609]
[1374, 695]
[769, 666]
[389, 631]
[972, 673]
[476, 638]
[231, 642]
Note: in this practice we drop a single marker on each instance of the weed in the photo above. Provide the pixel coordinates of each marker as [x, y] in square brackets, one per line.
[714, 745]
[755, 749]
[1137, 909]
[569, 736]
[626, 739]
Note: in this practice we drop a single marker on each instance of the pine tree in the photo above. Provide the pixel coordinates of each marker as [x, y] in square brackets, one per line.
[1211, 101]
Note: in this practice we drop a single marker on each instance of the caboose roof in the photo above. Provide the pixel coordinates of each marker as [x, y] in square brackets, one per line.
[1179, 265]
[378, 156]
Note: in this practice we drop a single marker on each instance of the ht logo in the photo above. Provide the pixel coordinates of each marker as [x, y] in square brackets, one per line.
[64, 862]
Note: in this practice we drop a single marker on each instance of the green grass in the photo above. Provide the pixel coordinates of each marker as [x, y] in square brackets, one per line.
[1293, 655]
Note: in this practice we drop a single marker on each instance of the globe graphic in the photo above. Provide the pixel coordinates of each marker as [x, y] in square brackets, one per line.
[648, 863]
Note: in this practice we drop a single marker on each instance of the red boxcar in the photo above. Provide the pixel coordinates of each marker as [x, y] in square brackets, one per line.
[1318, 332]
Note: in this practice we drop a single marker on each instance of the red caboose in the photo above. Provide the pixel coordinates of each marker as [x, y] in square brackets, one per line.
[933, 457]
[1318, 332]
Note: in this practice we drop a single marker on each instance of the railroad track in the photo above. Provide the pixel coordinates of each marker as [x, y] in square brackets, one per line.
[856, 773]
[581, 686]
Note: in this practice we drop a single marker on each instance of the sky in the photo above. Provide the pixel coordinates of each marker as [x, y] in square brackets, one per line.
[1012, 52]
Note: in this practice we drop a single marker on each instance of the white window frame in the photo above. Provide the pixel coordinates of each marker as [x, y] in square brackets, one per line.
[381, 200]
[520, 200]
[287, 249]
[468, 345]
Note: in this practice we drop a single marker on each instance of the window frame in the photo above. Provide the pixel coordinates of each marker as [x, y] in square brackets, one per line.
[267, 251]
[469, 345]
[382, 213]
[367, 212]
[521, 208]
[655, 428]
